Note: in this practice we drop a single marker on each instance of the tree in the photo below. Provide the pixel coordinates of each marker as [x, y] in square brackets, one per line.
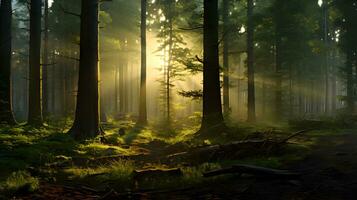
[142, 106]
[212, 107]
[6, 113]
[86, 122]
[45, 62]
[35, 111]
[347, 24]
[226, 41]
[250, 61]
[175, 54]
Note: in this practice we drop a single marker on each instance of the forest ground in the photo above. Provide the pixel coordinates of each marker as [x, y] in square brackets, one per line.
[47, 164]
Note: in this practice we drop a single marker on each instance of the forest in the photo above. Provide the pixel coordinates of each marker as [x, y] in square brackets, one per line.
[178, 99]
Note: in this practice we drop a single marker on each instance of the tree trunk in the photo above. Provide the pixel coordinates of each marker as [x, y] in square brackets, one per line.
[226, 41]
[121, 88]
[278, 79]
[349, 86]
[53, 84]
[35, 108]
[169, 65]
[250, 62]
[333, 83]
[86, 123]
[142, 104]
[116, 92]
[45, 64]
[6, 112]
[326, 56]
[212, 107]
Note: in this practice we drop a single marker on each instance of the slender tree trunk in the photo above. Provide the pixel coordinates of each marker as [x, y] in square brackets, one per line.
[333, 84]
[142, 103]
[121, 89]
[250, 51]
[53, 84]
[212, 106]
[86, 123]
[278, 80]
[326, 56]
[116, 92]
[45, 64]
[169, 65]
[291, 93]
[6, 112]
[349, 86]
[35, 108]
[226, 41]
[126, 86]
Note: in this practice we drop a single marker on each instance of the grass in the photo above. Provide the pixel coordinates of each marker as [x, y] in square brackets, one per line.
[20, 182]
[22, 147]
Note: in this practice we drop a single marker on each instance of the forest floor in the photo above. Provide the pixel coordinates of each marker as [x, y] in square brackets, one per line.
[141, 164]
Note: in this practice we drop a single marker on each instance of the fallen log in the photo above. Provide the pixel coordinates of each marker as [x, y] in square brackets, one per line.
[237, 149]
[260, 172]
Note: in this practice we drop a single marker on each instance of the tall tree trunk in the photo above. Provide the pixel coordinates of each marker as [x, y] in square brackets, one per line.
[116, 100]
[169, 64]
[264, 96]
[53, 84]
[333, 83]
[326, 55]
[86, 123]
[278, 79]
[142, 104]
[226, 41]
[45, 64]
[349, 86]
[250, 62]
[6, 112]
[121, 88]
[212, 106]
[35, 108]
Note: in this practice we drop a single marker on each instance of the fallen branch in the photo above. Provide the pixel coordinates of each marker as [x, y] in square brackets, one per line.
[109, 195]
[256, 171]
[294, 135]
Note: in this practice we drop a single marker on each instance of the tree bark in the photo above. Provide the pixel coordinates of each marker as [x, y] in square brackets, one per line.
[142, 104]
[86, 123]
[121, 89]
[278, 74]
[212, 107]
[226, 41]
[6, 112]
[116, 92]
[250, 62]
[45, 64]
[35, 108]
[349, 86]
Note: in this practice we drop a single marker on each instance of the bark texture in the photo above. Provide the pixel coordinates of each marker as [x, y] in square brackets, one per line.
[6, 112]
[86, 123]
[35, 108]
[142, 106]
[226, 41]
[250, 62]
[212, 107]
